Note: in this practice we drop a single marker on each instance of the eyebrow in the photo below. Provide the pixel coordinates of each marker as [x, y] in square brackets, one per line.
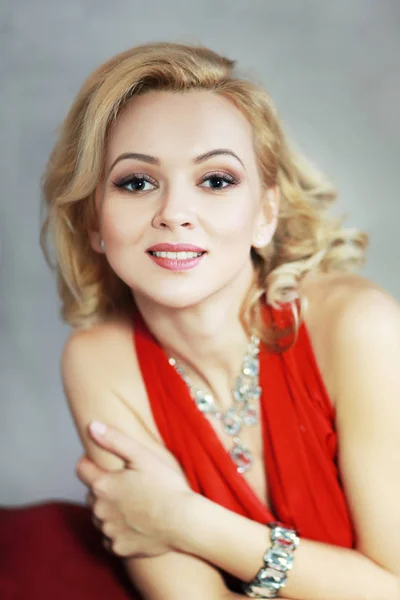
[152, 160]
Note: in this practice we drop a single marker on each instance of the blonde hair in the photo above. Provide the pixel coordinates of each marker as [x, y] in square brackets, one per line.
[305, 238]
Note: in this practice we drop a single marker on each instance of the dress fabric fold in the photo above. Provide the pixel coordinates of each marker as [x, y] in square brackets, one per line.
[299, 438]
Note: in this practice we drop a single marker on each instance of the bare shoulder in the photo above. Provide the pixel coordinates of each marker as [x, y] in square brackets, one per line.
[344, 300]
[345, 311]
[108, 346]
[102, 380]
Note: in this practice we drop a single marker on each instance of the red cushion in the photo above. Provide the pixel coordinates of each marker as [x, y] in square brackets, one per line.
[52, 551]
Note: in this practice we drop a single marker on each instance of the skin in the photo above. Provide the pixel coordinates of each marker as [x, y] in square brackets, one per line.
[354, 327]
[197, 309]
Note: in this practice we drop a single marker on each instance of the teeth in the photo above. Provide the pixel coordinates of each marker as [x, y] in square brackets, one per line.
[177, 255]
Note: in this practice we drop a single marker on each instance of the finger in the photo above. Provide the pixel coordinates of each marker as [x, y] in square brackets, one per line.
[107, 543]
[90, 498]
[97, 522]
[100, 509]
[104, 510]
[88, 466]
[88, 472]
[119, 443]
[109, 530]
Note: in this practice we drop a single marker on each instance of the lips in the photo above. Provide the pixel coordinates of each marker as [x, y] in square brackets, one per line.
[175, 248]
[177, 261]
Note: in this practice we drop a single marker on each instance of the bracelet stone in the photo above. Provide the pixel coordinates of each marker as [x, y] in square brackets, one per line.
[278, 560]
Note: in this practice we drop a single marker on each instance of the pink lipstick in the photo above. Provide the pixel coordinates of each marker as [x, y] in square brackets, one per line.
[176, 257]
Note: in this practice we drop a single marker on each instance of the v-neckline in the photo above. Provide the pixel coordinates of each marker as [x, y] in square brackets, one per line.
[238, 476]
[219, 447]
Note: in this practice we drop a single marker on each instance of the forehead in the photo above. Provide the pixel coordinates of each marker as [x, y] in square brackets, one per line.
[173, 125]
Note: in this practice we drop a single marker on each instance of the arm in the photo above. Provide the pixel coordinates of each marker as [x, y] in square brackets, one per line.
[365, 345]
[171, 576]
[320, 571]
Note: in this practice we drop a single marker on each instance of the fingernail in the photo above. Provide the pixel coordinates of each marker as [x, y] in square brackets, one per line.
[97, 428]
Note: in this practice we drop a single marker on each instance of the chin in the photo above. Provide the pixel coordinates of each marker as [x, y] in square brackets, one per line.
[176, 296]
[179, 301]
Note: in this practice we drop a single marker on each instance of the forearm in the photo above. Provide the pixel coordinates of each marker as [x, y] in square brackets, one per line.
[320, 572]
[185, 589]
[227, 595]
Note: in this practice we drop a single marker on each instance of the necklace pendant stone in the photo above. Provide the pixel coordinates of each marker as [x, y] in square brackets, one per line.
[255, 393]
[204, 401]
[244, 409]
[232, 422]
[241, 456]
[250, 416]
[250, 368]
[240, 391]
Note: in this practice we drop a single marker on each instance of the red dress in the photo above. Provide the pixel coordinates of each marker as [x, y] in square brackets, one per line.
[300, 443]
[61, 550]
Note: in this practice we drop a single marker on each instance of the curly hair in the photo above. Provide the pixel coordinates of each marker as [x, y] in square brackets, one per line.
[305, 238]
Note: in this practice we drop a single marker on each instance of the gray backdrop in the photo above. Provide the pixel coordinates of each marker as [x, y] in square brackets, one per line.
[333, 70]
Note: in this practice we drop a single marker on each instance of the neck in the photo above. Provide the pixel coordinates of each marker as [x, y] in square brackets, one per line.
[208, 339]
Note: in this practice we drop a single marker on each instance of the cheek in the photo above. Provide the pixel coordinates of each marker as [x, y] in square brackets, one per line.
[122, 223]
[234, 223]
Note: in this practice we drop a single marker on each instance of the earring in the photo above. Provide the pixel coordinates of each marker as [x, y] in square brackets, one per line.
[260, 240]
[102, 245]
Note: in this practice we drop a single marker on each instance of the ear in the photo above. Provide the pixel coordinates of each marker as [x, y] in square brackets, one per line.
[95, 241]
[268, 217]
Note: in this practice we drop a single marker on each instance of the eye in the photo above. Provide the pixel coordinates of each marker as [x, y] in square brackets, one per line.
[137, 183]
[218, 178]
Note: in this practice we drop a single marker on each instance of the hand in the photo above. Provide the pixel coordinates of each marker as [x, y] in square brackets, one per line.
[137, 508]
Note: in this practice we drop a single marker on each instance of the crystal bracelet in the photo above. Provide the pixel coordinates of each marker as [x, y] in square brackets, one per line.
[278, 560]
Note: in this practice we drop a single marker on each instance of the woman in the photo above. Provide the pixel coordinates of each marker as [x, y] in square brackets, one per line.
[246, 376]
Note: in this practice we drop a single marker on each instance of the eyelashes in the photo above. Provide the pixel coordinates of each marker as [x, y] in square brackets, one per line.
[141, 179]
[133, 180]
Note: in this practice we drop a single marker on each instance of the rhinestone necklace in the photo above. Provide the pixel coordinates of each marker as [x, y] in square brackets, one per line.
[244, 409]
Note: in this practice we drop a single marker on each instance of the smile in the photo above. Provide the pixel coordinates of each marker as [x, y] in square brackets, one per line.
[177, 261]
[177, 255]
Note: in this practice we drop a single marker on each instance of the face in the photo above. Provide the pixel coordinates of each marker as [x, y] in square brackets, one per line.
[215, 203]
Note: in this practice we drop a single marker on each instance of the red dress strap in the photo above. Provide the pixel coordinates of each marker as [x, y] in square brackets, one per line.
[298, 433]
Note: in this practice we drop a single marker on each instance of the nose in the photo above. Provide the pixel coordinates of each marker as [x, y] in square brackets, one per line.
[174, 211]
